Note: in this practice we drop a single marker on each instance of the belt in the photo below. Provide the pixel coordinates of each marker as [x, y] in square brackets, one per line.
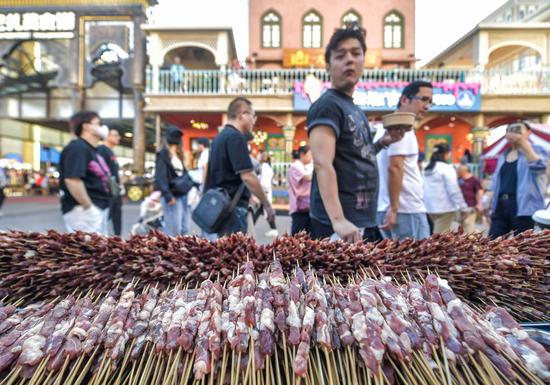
[506, 197]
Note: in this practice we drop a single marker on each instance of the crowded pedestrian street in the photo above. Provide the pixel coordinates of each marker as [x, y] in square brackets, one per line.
[261, 192]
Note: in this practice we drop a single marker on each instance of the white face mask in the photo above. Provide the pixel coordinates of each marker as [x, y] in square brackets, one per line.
[102, 131]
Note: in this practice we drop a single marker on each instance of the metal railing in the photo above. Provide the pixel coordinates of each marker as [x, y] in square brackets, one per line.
[281, 82]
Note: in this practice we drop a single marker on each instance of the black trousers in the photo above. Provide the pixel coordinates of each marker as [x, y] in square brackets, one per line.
[505, 220]
[300, 222]
[320, 231]
[115, 215]
[2, 196]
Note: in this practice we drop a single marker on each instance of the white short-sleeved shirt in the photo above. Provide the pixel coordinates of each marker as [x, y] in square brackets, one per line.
[203, 161]
[411, 199]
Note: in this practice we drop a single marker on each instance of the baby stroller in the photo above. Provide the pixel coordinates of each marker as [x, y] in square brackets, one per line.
[150, 217]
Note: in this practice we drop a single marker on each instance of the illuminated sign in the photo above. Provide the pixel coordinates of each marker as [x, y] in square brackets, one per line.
[34, 25]
[315, 57]
[384, 96]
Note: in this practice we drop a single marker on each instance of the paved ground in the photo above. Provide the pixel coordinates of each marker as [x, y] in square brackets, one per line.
[44, 213]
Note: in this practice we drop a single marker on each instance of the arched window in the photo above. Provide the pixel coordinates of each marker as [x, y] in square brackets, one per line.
[351, 17]
[312, 31]
[393, 30]
[271, 30]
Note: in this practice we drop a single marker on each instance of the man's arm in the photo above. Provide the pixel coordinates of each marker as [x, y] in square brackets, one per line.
[323, 147]
[252, 182]
[78, 191]
[479, 197]
[395, 184]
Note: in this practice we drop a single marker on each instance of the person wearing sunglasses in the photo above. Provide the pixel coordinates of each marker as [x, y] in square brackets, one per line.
[522, 164]
[401, 210]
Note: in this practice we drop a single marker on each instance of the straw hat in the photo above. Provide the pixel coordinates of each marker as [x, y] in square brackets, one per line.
[399, 119]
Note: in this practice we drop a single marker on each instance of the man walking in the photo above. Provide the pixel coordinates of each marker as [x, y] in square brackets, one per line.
[345, 179]
[299, 177]
[401, 210]
[229, 166]
[472, 193]
[106, 151]
[84, 176]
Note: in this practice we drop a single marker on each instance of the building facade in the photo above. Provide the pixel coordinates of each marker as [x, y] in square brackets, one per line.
[511, 48]
[293, 33]
[58, 57]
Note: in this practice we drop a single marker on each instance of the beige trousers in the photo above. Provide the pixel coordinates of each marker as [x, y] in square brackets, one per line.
[469, 223]
[442, 222]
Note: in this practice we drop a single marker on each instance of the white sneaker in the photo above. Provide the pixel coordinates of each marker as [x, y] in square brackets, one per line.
[272, 233]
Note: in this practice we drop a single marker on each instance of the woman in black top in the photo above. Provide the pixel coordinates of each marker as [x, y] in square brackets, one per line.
[168, 166]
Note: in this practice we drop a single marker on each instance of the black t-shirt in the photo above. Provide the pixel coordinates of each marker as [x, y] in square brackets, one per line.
[354, 160]
[79, 159]
[111, 160]
[509, 178]
[228, 158]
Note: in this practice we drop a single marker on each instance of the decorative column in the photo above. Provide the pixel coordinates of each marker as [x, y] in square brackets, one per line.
[480, 133]
[288, 132]
[139, 132]
[158, 143]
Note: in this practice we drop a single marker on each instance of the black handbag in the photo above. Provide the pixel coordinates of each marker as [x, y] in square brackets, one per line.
[181, 185]
[214, 208]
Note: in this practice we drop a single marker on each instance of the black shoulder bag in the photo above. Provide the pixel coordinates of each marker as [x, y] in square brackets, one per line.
[215, 207]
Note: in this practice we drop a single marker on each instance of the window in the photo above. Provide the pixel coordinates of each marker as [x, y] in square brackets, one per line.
[271, 30]
[312, 30]
[351, 17]
[393, 30]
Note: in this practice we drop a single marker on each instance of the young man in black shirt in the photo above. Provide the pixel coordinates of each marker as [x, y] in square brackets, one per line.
[84, 176]
[106, 151]
[229, 165]
[345, 182]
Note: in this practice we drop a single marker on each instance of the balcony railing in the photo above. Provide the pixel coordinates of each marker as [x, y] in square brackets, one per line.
[281, 82]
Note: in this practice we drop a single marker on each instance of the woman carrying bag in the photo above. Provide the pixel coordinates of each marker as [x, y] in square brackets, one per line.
[172, 181]
[442, 195]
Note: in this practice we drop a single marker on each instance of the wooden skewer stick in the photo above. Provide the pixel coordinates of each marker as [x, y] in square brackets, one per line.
[86, 367]
[445, 360]
[278, 370]
[224, 365]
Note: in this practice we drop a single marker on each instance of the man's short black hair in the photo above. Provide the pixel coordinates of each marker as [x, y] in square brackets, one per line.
[412, 89]
[77, 120]
[352, 30]
[204, 141]
[295, 155]
[302, 150]
[235, 106]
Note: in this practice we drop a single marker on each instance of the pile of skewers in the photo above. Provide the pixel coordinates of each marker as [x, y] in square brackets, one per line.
[269, 329]
[513, 273]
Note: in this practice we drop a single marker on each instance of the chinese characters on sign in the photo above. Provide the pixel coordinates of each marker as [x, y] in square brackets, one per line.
[384, 96]
[47, 25]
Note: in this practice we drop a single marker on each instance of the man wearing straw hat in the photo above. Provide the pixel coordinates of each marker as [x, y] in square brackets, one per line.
[345, 180]
[401, 210]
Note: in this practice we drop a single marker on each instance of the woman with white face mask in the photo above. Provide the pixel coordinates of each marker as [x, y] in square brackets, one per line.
[84, 176]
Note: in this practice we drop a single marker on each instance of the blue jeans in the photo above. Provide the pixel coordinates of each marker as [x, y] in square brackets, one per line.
[177, 218]
[413, 226]
[235, 223]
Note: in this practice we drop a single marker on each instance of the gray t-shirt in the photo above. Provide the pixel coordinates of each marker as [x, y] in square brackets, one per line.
[354, 160]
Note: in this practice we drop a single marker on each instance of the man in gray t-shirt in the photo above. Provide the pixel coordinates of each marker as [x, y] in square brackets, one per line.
[345, 182]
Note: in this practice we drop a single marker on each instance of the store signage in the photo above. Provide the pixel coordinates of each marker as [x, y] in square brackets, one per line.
[384, 96]
[34, 25]
[315, 58]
